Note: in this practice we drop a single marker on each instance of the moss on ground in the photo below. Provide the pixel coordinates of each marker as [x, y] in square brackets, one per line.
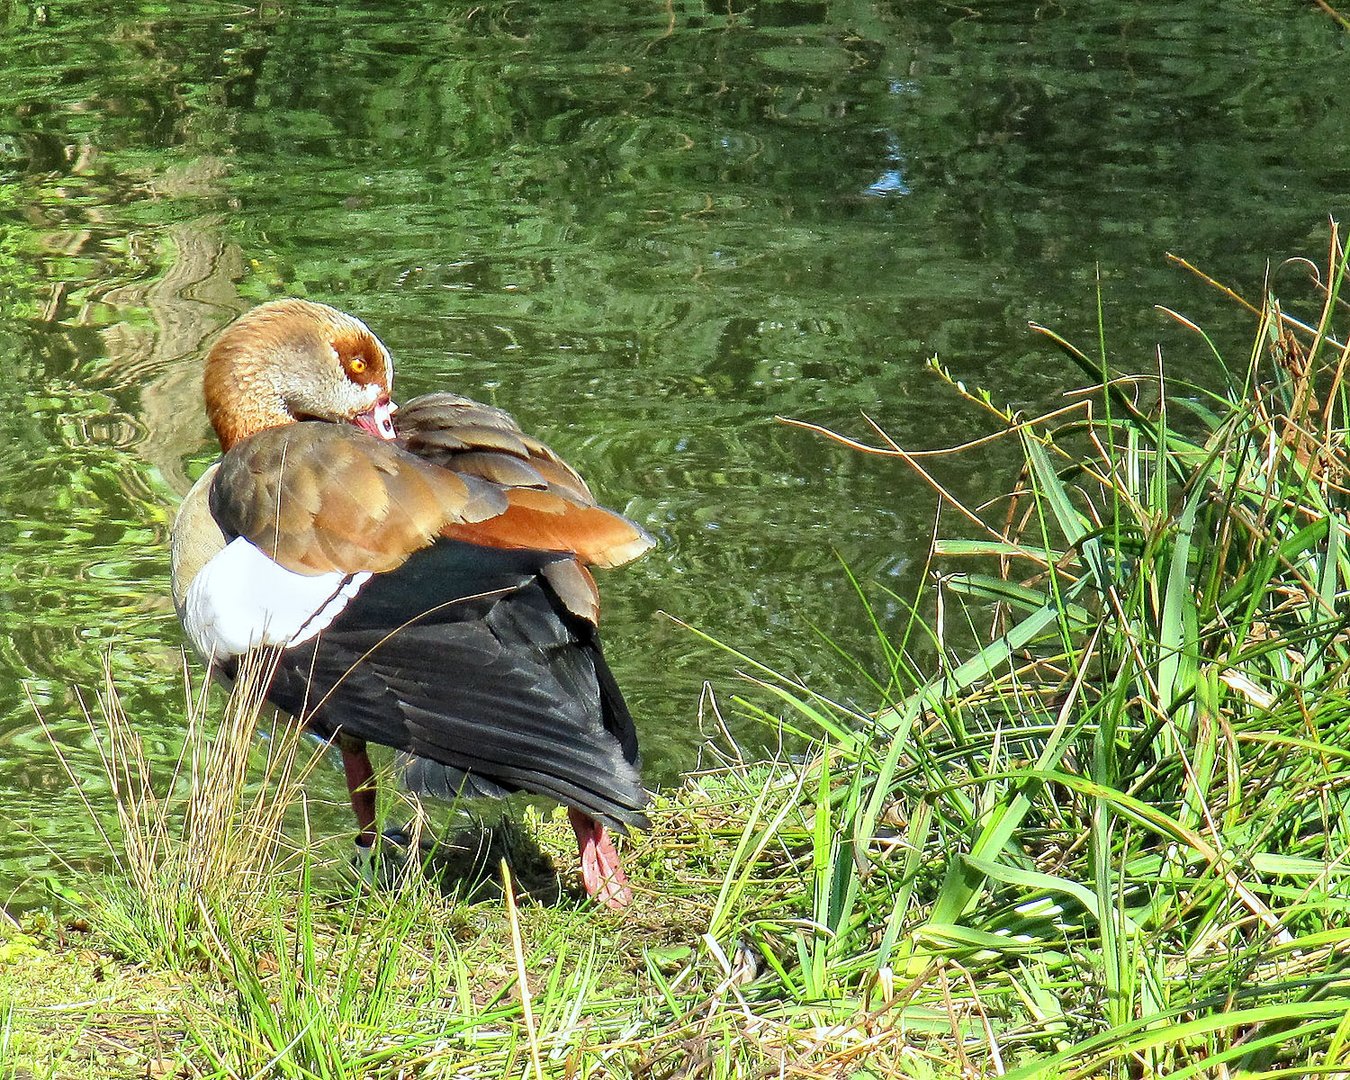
[70, 1008]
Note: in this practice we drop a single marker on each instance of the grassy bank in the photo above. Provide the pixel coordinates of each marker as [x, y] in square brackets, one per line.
[1093, 822]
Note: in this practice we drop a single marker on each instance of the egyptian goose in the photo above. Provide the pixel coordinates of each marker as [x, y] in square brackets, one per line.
[424, 582]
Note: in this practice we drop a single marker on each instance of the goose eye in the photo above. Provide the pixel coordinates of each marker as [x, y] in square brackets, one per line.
[356, 365]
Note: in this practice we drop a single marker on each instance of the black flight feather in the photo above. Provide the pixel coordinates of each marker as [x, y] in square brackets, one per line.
[465, 656]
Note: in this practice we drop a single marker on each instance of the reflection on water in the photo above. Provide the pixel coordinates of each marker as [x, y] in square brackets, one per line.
[643, 230]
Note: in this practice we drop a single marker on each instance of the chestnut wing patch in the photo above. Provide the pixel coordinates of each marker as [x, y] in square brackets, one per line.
[547, 506]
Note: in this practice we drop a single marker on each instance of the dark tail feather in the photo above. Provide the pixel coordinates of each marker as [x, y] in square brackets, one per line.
[618, 720]
[422, 776]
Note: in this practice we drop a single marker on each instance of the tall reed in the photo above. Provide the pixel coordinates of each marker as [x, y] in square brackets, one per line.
[192, 844]
[1102, 820]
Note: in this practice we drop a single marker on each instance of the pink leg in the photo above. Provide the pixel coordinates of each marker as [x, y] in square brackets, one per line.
[360, 786]
[601, 874]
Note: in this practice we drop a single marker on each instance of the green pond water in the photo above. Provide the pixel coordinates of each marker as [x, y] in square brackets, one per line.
[643, 228]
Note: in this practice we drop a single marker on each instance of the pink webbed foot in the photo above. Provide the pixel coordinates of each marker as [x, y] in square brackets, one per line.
[601, 874]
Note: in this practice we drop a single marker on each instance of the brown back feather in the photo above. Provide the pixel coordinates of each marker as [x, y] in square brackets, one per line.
[549, 507]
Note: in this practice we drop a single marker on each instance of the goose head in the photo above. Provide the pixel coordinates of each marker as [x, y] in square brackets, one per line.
[291, 360]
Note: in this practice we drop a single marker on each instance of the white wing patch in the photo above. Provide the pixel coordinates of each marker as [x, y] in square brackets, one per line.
[242, 600]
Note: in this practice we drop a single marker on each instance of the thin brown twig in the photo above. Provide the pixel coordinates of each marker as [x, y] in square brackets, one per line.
[892, 450]
[1341, 20]
[908, 458]
[1235, 297]
[1286, 320]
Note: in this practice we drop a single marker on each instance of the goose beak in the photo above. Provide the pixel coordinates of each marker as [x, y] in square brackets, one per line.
[378, 420]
